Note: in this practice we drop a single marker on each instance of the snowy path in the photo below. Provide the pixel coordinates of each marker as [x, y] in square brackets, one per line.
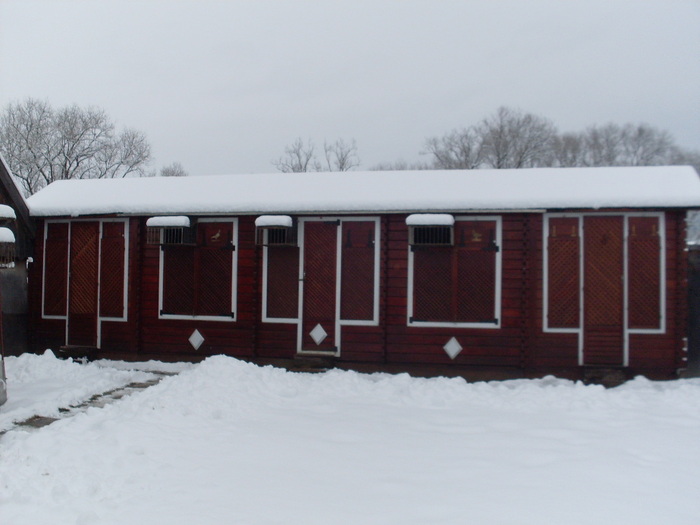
[229, 442]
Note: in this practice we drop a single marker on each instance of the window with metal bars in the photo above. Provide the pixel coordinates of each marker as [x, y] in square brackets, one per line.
[276, 236]
[170, 236]
[457, 282]
[431, 235]
[198, 277]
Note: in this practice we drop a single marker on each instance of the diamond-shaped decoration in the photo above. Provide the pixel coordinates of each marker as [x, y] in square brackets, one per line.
[196, 339]
[453, 348]
[318, 334]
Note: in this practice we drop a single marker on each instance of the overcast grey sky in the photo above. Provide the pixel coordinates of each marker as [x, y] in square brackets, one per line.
[222, 87]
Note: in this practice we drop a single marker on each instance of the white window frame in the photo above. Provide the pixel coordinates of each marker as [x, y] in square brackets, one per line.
[497, 289]
[234, 279]
[266, 318]
[627, 331]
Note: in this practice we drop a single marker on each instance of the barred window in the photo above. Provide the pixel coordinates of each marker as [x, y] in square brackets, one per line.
[457, 282]
[198, 277]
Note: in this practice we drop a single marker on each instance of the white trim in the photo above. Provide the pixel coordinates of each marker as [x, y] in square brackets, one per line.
[98, 317]
[545, 273]
[43, 270]
[234, 280]
[125, 293]
[497, 288]
[377, 257]
[662, 275]
[625, 248]
[265, 317]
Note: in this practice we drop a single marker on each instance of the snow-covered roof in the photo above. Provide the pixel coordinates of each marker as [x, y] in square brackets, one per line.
[6, 212]
[381, 191]
[169, 221]
[6, 236]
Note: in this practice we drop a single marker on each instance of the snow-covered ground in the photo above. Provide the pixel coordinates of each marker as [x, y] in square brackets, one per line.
[226, 442]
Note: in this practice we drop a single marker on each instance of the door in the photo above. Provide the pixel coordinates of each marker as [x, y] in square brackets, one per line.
[339, 284]
[82, 291]
[603, 302]
[318, 324]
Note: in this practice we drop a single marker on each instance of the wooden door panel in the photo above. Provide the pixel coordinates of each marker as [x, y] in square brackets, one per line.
[357, 287]
[644, 273]
[56, 271]
[319, 299]
[82, 302]
[603, 338]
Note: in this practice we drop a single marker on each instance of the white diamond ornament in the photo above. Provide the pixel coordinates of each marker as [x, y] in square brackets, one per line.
[196, 339]
[453, 348]
[318, 334]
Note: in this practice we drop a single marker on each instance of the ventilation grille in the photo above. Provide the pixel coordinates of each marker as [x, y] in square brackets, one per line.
[431, 235]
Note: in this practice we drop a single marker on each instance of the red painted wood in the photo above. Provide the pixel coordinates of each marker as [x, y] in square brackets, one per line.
[56, 271]
[393, 342]
[563, 272]
[603, 289]
[283, 282]
[178, 280]
[82, 305]
[457, 283]
[644, 273]
[357, 271]
[112, 269]
[320, 248]
[213, 271]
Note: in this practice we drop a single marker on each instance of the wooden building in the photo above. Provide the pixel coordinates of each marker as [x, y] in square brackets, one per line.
[16, 245]
[479, 273]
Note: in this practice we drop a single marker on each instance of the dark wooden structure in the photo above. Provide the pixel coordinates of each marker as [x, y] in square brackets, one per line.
[13, 270]
[492, 292]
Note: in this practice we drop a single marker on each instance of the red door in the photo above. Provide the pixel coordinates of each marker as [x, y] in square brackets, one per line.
[82, 293]
[318, 324]
[603, 339]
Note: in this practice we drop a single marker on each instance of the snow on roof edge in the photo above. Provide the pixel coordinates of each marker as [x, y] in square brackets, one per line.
[455, 191]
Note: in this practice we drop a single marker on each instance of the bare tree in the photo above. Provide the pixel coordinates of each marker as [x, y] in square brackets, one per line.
[507, 139]
[43, 145]
[173, 170]
[568, 150]
[401, 165]
[300, 156]
[341, 156]
[513, 139]
[459, 149]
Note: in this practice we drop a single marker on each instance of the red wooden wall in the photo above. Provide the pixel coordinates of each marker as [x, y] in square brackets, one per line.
[519, 344]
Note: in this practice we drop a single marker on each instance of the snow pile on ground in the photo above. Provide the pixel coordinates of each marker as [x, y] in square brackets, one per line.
[230, 442]
[41, 384]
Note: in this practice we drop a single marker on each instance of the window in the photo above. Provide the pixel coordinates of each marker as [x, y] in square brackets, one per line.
[175, 229]
[275, 230]
[430, 229]
[457, 284]
[198, 280]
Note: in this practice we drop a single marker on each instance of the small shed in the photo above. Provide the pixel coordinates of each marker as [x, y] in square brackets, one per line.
[18, 225]
[480, 273]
